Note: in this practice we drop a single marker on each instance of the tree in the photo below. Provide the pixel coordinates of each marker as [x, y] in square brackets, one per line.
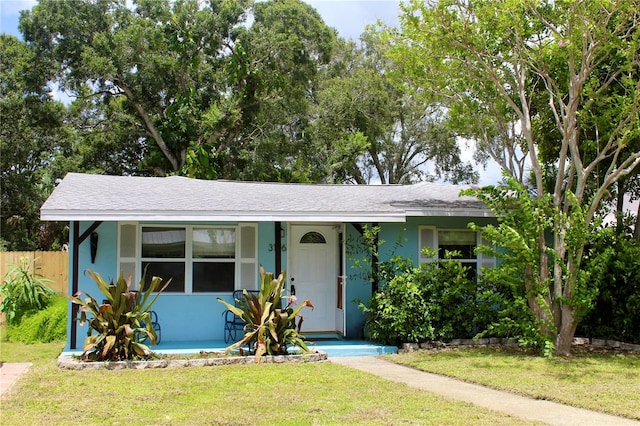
[385, 131]
[165, 58]
[197, 88]
[484, 58]
[33, 135]
[110, 140]
[272, 79]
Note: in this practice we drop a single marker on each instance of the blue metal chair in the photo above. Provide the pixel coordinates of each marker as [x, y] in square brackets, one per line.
[233, 324]
[156, 326]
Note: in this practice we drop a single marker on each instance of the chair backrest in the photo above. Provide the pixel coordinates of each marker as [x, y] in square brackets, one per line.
[239, 295]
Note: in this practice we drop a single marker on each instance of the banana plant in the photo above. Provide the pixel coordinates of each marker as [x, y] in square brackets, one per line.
[119, 325]
[270, 328]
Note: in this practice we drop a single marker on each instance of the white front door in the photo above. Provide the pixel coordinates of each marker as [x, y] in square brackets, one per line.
[313, 271]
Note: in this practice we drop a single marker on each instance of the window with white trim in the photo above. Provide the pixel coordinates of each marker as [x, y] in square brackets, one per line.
[197, 258]
[462, 241]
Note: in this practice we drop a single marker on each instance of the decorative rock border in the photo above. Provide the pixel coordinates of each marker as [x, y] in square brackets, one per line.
[68, 362]
[606, 344]
[585, 342]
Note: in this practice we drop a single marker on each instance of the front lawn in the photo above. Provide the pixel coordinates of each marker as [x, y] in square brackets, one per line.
[602, 382]
[294, 394]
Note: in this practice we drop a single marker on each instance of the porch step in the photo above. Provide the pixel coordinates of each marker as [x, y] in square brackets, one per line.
[340, 348]
[332, 345]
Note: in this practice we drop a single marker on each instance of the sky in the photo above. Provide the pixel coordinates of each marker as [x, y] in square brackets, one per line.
[349, 17]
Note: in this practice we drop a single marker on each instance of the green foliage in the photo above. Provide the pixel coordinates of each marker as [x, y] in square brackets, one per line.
[436, 301]
[23, 291]
[122, 322]
[270, 327]
[546, 89]
[380, 271]
[382, 128]
[33, 134]
[615, 272]
[523, 222]
[46, 325]
[528, 262]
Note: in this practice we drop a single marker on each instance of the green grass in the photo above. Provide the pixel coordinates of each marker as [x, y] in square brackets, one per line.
[293, 394]
[602, 382]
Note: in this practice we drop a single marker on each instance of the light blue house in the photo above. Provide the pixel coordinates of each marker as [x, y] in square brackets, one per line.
[211, 236]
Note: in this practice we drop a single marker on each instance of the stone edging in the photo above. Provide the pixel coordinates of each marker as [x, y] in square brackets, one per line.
[67, 362]
[497, 341]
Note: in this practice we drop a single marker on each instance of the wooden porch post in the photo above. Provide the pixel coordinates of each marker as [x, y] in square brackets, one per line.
[77, 240]
[278, 247]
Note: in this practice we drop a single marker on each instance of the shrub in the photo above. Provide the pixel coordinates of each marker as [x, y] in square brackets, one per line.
[613, 263]
[23, 291]
[47, 325]
[122, 322]
[436, 301]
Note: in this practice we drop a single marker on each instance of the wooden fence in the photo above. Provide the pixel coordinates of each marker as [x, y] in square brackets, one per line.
[53, 265]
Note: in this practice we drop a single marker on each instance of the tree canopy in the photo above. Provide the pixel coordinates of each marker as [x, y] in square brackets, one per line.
[32, 135]
[506, 70]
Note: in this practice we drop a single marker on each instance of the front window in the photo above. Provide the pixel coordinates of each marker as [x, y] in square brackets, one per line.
[460, 242]
[198, 260]
[164, 255]
[460, 245]
[214, 252]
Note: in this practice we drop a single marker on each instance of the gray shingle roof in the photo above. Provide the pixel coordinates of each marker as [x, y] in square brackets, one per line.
[100, 197]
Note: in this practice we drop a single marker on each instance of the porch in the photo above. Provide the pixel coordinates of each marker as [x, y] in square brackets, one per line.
[333, 347]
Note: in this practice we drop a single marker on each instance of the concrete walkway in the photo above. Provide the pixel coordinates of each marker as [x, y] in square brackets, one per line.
[10, 372]
[513, 405]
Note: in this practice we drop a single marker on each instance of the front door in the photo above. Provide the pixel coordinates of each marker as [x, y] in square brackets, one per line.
[313, 271]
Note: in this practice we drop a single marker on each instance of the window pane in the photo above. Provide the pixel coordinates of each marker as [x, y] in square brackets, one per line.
[213, 276]
[166, 270]
[214, 243]
[313, 238]
[461, 241]
[163, 242]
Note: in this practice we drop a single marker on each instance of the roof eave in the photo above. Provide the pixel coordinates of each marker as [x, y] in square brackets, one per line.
[164, 216]
[449, 212]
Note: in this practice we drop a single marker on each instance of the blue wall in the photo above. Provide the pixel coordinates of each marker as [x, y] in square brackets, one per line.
[105, 265]
[199, 317]
[182, 317]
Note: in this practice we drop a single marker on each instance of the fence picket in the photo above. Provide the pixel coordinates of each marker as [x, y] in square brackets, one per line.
[53, 265]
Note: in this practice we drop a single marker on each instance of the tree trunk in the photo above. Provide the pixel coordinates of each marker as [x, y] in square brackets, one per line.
[619, 208]
[176, 163]
[566, 331]
[636, 231]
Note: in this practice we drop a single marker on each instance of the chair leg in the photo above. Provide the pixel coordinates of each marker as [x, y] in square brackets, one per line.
[229, 332]
[156, 327]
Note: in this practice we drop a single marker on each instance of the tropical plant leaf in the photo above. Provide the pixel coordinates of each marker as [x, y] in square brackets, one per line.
[122, 323]
[270, 325]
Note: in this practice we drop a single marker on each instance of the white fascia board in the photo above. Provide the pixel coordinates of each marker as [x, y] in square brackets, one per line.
[164, 216]
[449, 212]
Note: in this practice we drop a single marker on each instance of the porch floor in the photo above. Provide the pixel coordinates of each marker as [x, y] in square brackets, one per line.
[332, 347]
